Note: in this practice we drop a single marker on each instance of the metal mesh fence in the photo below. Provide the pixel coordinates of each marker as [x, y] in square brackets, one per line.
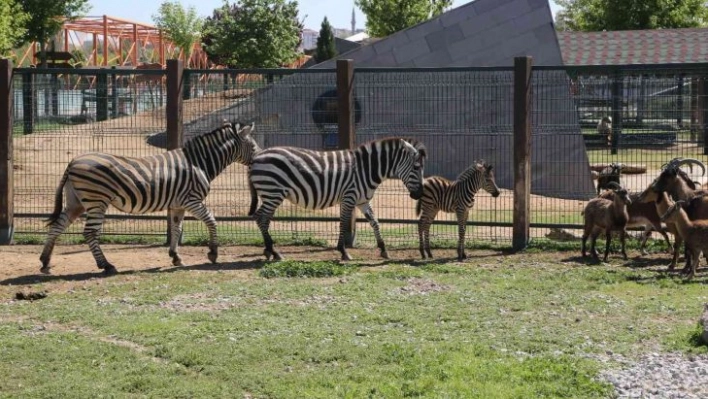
[461, 114]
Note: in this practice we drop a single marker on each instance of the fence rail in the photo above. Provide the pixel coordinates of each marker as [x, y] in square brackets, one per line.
[461, 114]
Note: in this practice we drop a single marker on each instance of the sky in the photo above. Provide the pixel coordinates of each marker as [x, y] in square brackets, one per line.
[338, 12]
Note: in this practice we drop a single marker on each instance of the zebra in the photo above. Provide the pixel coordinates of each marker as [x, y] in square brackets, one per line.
[321, 179]
[441, 194]
[175, 180]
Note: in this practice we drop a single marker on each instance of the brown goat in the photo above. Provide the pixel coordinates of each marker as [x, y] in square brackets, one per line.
[642, 214]
[679, 186]
[608, 215]
[693, 232]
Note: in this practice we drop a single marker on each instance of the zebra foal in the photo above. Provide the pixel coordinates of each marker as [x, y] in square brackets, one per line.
[177, 180]
[441, 194]
[321, 179]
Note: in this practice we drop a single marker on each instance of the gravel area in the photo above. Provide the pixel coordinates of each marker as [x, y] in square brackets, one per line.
[658, 375]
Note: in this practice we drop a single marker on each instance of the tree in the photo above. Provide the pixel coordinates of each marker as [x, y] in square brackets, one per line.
[325, 43]
[598, 15]
[46, 18]
[12, 26]
[253, 34]
[182, 26]
[385, 17]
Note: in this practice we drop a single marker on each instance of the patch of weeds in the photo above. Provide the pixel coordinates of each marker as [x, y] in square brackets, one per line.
[296, 268]
[687, 339]
[444, 268]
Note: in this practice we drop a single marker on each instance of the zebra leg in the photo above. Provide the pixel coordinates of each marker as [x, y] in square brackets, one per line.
[426, 219]
[421, 246]
[371, 218]
[94, 224]
[201, 212]
[68, 215]
[462, 215]
[263, 216]
[345, 216]
[177, 216]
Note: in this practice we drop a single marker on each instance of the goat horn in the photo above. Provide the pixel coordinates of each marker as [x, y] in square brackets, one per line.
[691, 161]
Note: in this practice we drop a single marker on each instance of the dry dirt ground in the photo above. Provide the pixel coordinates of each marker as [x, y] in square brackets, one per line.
[19, 264]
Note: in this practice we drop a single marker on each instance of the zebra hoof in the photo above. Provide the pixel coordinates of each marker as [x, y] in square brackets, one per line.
[45, 270]
[346, 256]
[177, 262]
[212, 255]
[277, 256]
[384, 255]
[109, 270]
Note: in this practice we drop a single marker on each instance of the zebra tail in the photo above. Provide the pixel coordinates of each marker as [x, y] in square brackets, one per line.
[254, 198]
[58, 199]
[417, 208]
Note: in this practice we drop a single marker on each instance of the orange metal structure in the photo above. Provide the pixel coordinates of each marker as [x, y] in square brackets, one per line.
[107, 41]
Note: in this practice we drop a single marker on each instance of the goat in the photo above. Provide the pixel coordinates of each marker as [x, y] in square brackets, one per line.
[642, 214]
[679, 186]
[661, 202]
[693, 232]
[611, 173]
[608, 215]
[604, 127]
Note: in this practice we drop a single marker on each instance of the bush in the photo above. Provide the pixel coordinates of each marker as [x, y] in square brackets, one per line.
[298, 268]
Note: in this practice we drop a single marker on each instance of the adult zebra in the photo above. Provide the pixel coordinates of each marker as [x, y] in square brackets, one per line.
[441, 194]
[321, 179]
[175, 180]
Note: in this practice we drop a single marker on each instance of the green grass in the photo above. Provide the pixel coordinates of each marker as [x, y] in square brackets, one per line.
[296, 268]
[496, 327]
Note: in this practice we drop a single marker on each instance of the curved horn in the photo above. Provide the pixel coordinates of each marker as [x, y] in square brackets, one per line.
[691, 161]
[614, 185]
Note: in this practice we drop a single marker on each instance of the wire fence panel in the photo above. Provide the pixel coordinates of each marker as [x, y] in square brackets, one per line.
[460, 114]
[656, 116]
[61, 115]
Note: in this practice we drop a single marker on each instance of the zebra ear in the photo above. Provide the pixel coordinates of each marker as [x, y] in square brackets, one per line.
[246, 131]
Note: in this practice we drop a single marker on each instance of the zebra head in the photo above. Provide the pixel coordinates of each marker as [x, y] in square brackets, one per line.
[246, 144]
[490, 184]
[410, 167]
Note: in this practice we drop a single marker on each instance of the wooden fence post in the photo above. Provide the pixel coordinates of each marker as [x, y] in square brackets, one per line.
[28, 102]
[102, 95]
[679, 100]
[522, 152]
[6, 166]
[704, 112]
[617, 94]
[345, 120]
[174, 115]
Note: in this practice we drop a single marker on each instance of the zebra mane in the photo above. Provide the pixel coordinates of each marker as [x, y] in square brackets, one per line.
[415, 143]
[472, 170]
[205, 138]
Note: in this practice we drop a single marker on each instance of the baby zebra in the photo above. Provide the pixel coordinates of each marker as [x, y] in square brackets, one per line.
[177, 181]
[441, 194]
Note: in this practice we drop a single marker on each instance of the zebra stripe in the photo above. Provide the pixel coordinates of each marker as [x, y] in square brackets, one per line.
[177, 181]
[441, 194]
[321, 179]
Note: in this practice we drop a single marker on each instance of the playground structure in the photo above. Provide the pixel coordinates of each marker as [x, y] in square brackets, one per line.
[102, 41]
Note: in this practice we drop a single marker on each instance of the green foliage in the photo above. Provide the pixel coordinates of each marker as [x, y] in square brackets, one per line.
[598, 15]
[253, 34]
[12, 25]
[326, 48]
[386, 17]
[290, 268]
[46, 17]
[182, 25]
